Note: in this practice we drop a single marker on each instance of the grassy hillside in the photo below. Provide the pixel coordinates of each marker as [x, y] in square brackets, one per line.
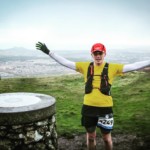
[130, 93]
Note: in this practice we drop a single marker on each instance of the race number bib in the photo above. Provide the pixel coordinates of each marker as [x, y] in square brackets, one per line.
[106, 122]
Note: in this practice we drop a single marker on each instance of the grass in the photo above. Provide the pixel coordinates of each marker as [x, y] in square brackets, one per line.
[130, 94]
[131, 107]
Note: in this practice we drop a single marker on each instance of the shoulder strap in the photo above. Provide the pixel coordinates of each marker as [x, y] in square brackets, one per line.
[105, 69]
[90, 73]
[105, 86]
[90, 70]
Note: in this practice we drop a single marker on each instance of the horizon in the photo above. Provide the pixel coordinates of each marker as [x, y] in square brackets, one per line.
[134, 48]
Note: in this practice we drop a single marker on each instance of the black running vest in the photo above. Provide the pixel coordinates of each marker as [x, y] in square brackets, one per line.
[104, 86]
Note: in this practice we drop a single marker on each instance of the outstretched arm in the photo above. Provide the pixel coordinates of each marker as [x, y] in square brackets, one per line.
[61, 60]
[136, 66]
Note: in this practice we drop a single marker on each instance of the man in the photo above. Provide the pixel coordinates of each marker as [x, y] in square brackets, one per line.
[97, 105]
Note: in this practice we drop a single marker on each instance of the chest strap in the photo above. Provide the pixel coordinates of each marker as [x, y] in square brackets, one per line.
[104, 86]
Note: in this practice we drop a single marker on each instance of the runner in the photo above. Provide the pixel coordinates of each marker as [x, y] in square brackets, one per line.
[98, 76]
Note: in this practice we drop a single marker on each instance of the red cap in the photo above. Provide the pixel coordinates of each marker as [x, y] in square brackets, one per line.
[98, 47]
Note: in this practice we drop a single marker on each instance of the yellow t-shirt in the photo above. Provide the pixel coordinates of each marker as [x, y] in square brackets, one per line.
[96, 98]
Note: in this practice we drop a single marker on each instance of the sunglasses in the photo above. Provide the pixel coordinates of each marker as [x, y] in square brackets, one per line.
[98, 53]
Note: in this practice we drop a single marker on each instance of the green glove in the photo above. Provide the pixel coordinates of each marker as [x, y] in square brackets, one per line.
[42, 47]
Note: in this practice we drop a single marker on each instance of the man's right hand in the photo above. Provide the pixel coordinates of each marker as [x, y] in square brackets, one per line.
[42, 47]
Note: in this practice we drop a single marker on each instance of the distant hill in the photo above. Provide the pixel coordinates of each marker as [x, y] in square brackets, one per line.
[113, 55]
[20, 51]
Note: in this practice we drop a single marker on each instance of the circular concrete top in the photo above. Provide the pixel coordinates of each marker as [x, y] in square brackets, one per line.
[16, 108]
[18, 100]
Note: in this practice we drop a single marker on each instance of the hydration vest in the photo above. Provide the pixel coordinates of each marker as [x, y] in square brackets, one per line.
[104, 86]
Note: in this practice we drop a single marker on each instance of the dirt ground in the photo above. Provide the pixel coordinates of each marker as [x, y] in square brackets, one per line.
[120, 142]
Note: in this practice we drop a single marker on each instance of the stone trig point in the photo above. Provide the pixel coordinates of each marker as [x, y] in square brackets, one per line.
[27, 121]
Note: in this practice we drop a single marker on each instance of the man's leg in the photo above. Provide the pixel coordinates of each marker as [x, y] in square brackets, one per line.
[105, 123]
[91, 140]
[90, 125]
[108, 141]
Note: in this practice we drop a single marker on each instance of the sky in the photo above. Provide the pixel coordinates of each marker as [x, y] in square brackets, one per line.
[74, 24]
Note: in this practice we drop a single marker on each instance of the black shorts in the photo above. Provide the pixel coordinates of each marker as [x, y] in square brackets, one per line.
[103, 122]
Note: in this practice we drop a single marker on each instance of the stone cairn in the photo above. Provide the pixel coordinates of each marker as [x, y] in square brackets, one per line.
[30, 129]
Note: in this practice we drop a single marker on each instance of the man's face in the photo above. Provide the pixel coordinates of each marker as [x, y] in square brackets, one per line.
[98, 57]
